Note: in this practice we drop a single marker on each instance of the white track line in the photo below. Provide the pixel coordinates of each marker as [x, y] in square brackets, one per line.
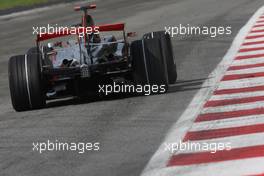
[252, 46]
[237, 95]
[246, 71]
[258, 28]
[259, 23]
[157, 164]
[241, 83]
[255, 33]
[251, 53]
[248, 61]
[261, 39]
[228, 123]
[233, 107]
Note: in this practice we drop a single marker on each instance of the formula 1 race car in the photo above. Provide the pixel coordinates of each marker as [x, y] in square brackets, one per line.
[76, 67]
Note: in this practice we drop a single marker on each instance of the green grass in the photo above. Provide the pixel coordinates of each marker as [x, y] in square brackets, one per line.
[7, 4]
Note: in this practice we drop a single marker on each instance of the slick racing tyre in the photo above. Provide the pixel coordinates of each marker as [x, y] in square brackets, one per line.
[167, 53]
[25, 82]
[148, 63]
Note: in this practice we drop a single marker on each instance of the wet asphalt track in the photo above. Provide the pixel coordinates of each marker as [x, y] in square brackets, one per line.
[128, 129]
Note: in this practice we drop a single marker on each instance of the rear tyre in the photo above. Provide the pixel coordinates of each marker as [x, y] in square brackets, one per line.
[25, 82]
[148, 63]
[167, 53]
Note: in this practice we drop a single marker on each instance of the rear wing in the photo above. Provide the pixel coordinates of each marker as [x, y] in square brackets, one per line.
[67, 31]
[85, 7]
